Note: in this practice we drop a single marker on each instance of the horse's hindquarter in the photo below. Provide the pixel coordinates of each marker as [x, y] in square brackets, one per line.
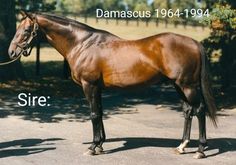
[181, 58]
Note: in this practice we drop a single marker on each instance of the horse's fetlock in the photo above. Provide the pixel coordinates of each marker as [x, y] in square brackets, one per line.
[94, 116]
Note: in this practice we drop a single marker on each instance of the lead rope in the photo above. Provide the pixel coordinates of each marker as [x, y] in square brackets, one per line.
[9, 62]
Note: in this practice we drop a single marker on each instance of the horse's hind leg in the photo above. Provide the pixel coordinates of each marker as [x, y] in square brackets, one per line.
[187, 128]
[93, 95]
[188, 113]
[201, 115]
[193, 106]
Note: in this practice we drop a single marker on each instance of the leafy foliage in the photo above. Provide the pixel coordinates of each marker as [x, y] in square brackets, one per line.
[39, 5]
[222, 21]
[224, 15]
[142, 6]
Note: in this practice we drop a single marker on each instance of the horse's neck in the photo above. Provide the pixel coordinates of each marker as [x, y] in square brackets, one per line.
[62, 37]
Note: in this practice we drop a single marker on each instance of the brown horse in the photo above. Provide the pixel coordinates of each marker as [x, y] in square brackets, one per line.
[99, 59]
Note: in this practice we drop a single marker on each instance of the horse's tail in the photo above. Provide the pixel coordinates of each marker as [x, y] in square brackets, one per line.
[206, 88]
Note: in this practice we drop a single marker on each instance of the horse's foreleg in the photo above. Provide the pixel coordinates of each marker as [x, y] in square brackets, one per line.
[93, 95]
[201, 115]
[187, 128]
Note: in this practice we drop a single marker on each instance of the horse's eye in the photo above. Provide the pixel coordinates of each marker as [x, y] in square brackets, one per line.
[27, 32]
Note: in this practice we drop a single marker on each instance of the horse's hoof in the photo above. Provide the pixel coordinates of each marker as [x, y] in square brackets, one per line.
[179, 151]
[99, 150]
[90, 152]
[199, 155]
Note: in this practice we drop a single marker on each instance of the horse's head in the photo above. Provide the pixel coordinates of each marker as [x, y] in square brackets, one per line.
[26, 32]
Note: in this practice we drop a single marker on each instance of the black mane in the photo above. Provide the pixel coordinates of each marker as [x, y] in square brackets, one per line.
[64, 20]
[76, 24]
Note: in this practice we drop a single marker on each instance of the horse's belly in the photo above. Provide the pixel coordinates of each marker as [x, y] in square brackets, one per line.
[128, 78]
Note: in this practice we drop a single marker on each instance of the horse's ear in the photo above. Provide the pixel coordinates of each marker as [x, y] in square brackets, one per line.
[23, 13]
[27, 14]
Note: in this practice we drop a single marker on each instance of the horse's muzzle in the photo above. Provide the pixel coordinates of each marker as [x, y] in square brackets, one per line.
[14, 53]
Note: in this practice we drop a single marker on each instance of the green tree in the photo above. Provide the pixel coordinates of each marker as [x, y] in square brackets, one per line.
[130, 4]
[39, 5]
[87, 7]
[210, 3]
[113, 5]
[142, 5]
[183, 4]
[222, 21]
[7, 31]
[161, 4]
[70, 6]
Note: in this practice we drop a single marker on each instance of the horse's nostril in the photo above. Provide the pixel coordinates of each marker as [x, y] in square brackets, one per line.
[12, 53]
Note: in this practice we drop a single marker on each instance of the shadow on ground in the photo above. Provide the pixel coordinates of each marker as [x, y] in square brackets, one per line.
[74, 108]
[25, 147]
[221, 144]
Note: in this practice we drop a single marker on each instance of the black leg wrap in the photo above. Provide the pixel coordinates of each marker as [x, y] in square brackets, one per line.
[200, 113]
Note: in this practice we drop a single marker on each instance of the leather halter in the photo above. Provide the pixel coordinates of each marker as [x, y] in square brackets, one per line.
[25, 47]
